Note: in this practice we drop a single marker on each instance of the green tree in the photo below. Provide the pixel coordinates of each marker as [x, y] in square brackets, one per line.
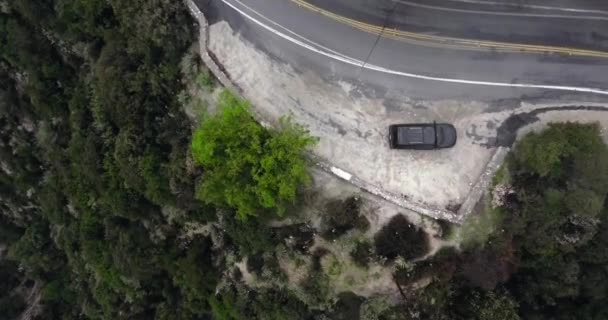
[248, 167]
[544, 153]
[556, 224]
[223, 308]
[493, 306]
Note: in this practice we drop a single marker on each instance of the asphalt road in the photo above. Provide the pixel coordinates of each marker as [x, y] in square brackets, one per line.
[508, 51]
[474, 19]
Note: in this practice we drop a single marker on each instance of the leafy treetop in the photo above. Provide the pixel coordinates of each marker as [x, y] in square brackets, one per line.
[248, 167]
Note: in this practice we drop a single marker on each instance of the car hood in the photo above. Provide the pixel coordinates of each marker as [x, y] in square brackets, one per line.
[446, 135]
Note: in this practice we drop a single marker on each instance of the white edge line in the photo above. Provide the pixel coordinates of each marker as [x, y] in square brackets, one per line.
[289, 31]
[359, 63]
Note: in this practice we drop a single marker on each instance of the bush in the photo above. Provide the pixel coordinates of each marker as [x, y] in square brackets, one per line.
[255, 263]
[401, 238]
[250, 237]
[266, 266]
[248, 167]
[441, 267]
[11, 302]
[9, 232]
[299, 237]
[205, 79]
[239, 303]
[11, 306]
[347, 307]
[194, 274]
[486, 268]
[317, 286]
[491, 306]
[342, 216]
[446, 228]
[317, 255]
[362, 254]
[224, 309]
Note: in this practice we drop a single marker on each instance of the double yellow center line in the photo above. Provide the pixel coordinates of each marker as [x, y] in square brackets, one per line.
[450, 42]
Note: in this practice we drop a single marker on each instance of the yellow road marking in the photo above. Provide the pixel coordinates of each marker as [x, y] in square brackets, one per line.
[450, 42]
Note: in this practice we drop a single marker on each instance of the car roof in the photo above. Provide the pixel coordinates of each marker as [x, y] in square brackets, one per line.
[415, 135]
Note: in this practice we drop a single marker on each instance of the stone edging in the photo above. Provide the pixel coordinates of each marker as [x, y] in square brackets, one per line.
[204, 52]
[435, 213]
[483, 182]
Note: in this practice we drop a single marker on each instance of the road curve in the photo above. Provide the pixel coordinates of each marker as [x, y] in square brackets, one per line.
[390, 28]
[481, 22]
[309, 39]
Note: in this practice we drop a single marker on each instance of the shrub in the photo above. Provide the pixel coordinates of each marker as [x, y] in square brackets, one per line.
[491, 305]
[205, 79]
[266, 266]
[342, 216]
[441, 267]
[250, 237]
[446, 228]
[255, 263]
[487, 268]
[347, 307]
[278, 304]
[401, 238]
[362, 254]
[9, 232]
[299, 237]
[224, 309]
[11, 306]
[317, 255]
[317, 287]
[248, 167]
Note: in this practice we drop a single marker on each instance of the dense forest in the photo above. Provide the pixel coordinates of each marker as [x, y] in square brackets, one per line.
[94, 148]
[114, 207]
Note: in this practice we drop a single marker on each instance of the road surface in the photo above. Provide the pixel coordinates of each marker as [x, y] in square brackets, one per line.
[435, 49]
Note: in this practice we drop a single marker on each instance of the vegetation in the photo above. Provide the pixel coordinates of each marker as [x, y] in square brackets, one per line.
[272, 304]
[401, 238]
[94, 151]
[342, 216]
[11, 302]
[558, 228]
[248, 167]
[478, 229]
[113, 208]
[362, 254]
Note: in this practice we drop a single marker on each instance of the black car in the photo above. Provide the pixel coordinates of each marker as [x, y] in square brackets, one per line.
[424, 136]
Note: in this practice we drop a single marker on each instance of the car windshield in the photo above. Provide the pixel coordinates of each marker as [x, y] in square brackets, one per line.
[440, 135]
